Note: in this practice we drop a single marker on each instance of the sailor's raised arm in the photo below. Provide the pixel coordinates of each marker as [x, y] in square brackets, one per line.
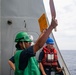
[42, 39]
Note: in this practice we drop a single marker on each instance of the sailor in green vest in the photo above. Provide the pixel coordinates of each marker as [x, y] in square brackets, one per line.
[24, 58]
[30, 63]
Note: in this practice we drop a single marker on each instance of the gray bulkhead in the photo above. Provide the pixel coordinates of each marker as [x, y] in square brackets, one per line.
[17, 15]
[0, 37]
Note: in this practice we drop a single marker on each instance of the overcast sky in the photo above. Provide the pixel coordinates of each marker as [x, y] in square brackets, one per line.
[66, 16]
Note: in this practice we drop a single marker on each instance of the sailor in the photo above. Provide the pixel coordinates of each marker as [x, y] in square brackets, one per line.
[48, 59]
[25, 63]
[24, 41]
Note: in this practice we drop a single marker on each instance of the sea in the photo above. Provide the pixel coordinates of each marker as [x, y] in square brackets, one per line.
[69, 57]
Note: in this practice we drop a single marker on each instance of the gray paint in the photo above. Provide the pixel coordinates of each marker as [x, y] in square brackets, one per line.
[0, 37]
[17, 11]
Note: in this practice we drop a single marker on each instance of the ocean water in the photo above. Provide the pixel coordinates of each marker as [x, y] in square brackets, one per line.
[69, 57]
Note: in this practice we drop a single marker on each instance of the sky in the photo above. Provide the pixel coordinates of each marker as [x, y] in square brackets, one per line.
[66, 30]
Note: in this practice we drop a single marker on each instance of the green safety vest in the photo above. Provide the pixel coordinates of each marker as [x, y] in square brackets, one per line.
[31, 69]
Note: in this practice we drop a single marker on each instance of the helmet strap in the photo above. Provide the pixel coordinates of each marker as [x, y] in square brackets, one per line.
[23, 44]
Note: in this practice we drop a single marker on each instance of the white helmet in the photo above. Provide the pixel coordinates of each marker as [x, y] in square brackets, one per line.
[31, 37]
